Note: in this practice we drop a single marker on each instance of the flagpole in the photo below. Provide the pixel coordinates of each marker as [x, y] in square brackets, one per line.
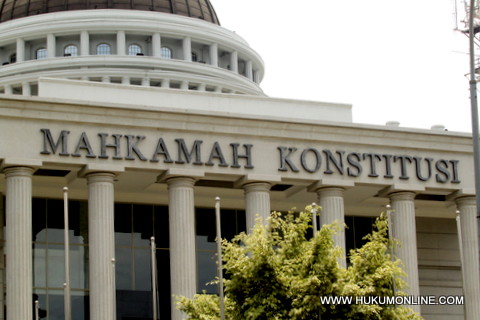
[219, 257]
[67, 299]
[153, 248]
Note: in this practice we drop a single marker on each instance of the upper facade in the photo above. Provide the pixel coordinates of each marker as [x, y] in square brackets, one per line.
[170, 44]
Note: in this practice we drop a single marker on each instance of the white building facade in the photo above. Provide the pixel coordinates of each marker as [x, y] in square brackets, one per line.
[147, 112]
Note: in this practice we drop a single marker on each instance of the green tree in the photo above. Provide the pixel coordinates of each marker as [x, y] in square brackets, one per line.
[277, 272]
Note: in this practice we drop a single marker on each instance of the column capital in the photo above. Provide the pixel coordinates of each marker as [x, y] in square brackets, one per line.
[99, 168]
[16, 162]
[326, 183]
[18, 172]
[466, 201]
[402, 195]
[252, 178]
[331, 191]
[177, 172]
[397, 188]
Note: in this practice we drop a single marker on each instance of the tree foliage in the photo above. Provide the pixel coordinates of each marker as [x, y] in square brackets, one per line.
[277, 272]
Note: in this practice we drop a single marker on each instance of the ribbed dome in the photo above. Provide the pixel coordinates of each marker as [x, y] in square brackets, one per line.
[14, 9]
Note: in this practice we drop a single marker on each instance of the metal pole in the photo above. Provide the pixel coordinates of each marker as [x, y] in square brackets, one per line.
[37, 307]
[459, 231]
[474, 111]
[219, 257]
[154, 277]
[67, 299]
[391, 237]
[314, 218]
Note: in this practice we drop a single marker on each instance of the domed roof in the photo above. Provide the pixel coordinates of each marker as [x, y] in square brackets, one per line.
[14, 9]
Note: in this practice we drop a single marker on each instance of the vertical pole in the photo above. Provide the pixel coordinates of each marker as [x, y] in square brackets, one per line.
[474, 109]
[68, 315]
[314, 218]
[390, 237]
[219, 257]
[37, 307]
[154, 278]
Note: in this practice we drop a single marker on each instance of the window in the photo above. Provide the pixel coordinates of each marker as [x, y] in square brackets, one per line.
[70, 50]
[166, 53]
[194, 57]
[103, 49]
[134, 50]
[41, 53]
[13, 58]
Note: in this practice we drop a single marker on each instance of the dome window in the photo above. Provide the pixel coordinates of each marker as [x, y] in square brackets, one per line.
[41, 53]
[135, 50]
[103, 49]
[194, 56]
[70, 51]
[166, 53]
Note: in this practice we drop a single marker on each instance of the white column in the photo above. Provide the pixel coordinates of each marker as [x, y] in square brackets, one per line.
[26, 90]
[234, 61]
[2, 260]
[257, 202]
[101, 246]
[249, 70]
[121, 43]
[156, 45]
[84, 43]
[404, 229]
[125, 80]
[146, 82]
[331, 200]
[19, 242]
[183, 264]
[20, 50]
[166, 83]
[187, 49]
[8, 89]
[470, 263]
[214, 54]
[51, 45]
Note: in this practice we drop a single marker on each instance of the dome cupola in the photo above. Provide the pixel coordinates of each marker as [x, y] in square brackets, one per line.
[14, 9]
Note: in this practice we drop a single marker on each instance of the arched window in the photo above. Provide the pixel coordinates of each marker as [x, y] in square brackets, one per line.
[13, 58]
[194, 56]
[70, 51]
[134, 50]
[103, 49]
[166, 53]
[41, 53]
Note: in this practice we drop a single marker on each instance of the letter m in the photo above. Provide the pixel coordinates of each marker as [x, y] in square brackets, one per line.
[50, 144]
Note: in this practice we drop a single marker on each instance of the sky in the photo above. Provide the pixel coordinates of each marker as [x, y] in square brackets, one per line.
[391, 60]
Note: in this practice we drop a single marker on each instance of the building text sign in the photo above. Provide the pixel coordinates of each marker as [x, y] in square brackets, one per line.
[241, 155]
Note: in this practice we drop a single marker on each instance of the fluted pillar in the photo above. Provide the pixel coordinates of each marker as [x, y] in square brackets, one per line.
[331, 200]
[2, 260]
[101, 246]
[19, 242]
[26, 90]
[257, 202]
[181, 210]
[404, 229]
[470, 264]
